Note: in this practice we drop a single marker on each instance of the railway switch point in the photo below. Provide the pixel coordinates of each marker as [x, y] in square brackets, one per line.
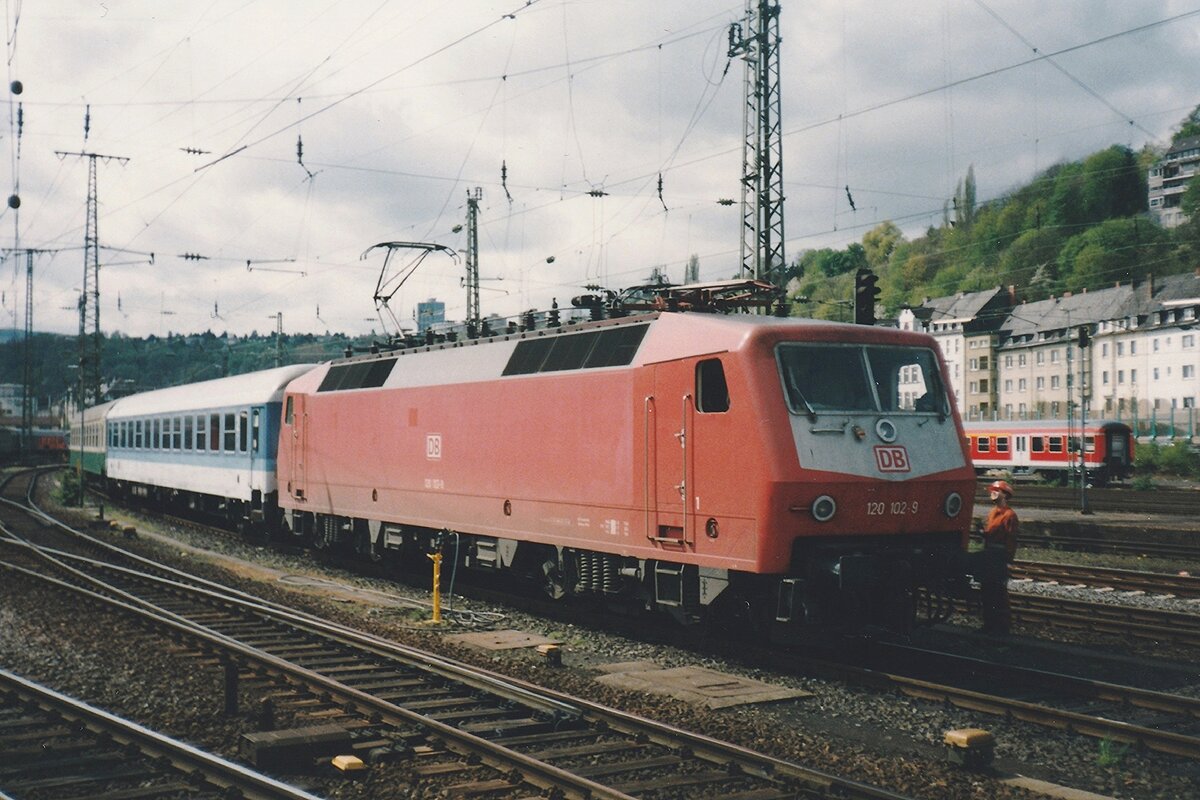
[972, 748]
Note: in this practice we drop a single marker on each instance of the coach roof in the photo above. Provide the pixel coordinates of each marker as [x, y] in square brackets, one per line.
[252, 388]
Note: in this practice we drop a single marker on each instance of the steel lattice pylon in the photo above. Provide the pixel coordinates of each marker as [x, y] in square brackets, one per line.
[474, 313]
[90, 342]
[762, 247]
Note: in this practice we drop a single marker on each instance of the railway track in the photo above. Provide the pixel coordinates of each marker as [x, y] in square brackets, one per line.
[1149, 544]
[564, 729]
[55, 746]
[1179, 502]
[1157, 583]
[1124, 620]
[499, 734]
[1161, 721]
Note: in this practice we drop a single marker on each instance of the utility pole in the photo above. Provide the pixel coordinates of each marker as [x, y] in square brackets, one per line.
[27, 368]
[278, 317]
[757, 45]
[1085, 341]
[27, 399]
[474, 315]
[90, 343]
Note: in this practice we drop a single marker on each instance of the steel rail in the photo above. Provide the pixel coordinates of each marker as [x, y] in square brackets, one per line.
[1124, 579]
[182, 756]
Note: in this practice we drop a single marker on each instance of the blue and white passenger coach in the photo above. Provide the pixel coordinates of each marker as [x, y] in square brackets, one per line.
[207, 446]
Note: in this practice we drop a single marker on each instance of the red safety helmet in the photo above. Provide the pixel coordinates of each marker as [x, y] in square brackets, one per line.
[1001, 486]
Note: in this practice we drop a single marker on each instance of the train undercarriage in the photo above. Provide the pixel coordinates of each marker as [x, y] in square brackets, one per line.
[831, 585]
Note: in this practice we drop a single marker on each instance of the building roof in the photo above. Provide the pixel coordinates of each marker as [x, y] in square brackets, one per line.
[1076, 309]
[963, 307]
[1175, 290]
[1187, 143]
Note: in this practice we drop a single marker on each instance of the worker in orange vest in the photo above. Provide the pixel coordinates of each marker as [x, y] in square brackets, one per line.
[1000, 546]
[1000, 527]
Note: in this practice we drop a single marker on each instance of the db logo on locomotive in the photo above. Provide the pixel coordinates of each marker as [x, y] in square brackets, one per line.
[893, 458]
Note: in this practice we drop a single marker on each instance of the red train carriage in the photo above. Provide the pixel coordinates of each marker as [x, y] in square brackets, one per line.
[1049, 449]
[785, 470]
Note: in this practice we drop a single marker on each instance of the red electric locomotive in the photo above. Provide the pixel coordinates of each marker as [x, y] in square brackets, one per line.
[1050, 449]
[780, 471]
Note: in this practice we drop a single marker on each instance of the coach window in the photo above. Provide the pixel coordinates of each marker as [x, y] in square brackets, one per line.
[1056, 444]
[1038, 444]
[230, 432]
[200, 420]
[156, 433]
[124, 434]
[176, 433]
[1089, 444]
[1001, 444]
[189, 432]
[255, 424]
[712, 393]
[243, 430]
[984, 443]
[214, 432]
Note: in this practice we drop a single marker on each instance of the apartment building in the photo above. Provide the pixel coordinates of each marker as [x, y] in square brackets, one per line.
[966, 327]
[1168, 180]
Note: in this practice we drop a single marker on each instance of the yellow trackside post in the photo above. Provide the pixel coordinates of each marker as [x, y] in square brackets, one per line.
[436, 558]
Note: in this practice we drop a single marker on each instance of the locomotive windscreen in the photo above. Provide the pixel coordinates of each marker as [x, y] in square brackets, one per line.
[825, 377]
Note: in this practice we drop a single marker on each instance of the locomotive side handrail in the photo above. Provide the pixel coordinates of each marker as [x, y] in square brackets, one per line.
[648, 409]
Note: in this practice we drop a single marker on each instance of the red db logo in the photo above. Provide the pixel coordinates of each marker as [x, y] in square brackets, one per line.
[891, 459]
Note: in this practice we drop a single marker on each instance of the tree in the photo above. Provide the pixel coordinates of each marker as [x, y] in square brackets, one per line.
[964, 200]
[1189, 126]
[1190, 202]
[880, 242]
[1066, 200]
[1115, 250]
[1113, 185]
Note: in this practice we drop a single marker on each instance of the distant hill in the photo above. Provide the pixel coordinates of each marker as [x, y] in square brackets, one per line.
[134, 364]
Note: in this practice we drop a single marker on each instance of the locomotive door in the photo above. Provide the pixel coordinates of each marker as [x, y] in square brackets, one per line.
[299, 424]
[671, 418]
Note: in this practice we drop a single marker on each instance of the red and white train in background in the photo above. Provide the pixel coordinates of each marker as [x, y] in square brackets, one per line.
[1050, 448]
[770, 471]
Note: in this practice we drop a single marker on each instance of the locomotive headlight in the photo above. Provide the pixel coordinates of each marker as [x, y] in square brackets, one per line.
[953, 504]
[823, 508]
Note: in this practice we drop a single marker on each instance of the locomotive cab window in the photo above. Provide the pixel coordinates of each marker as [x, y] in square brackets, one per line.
[287, 416]
[712, 393]
[830, 377]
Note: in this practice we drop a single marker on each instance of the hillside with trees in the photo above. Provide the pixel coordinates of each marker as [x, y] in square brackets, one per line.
[1078, 225]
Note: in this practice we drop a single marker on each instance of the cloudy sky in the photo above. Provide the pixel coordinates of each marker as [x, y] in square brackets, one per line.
[402, 107]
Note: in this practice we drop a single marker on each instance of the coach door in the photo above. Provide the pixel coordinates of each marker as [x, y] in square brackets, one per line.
[671, 417]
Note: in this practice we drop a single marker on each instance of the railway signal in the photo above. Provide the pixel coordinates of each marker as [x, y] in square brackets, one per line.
[866, 293]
